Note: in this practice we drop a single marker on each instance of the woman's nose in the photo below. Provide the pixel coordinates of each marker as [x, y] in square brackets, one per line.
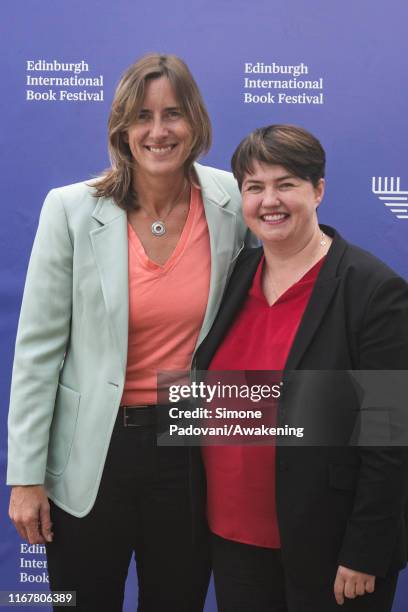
[158, 128]
[271, 197]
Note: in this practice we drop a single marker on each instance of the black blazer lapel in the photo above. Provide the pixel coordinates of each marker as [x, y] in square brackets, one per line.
[322, 294]
[317, 306]
[235, 295]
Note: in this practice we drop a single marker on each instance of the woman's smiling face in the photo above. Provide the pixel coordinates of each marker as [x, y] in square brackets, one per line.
[160, 139]
[278, 207]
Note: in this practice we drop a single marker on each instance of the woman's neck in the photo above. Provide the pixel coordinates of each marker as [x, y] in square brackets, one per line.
[282, 259]
[155, 193]
[286, 264]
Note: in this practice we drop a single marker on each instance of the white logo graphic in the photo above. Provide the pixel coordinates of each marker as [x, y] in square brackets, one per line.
[388, 191]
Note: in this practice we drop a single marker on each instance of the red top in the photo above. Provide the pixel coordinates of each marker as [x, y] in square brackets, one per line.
[241, 479]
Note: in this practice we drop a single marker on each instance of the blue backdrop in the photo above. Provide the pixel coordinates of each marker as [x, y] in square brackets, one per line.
[337, 68]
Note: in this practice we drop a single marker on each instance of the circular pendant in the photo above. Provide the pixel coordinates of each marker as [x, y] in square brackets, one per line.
[158, 228]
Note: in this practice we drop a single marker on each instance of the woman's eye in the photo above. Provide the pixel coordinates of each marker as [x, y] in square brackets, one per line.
[253, 188]
[174, 114]
[286, 185]
[143, 117]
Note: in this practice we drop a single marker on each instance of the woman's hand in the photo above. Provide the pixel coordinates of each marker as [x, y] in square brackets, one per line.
[349, 584]
[30, 512]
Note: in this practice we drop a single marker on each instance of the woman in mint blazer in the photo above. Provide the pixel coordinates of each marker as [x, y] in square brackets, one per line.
[72, 345]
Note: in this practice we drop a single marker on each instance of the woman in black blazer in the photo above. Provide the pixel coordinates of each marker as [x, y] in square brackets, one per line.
[340, 496]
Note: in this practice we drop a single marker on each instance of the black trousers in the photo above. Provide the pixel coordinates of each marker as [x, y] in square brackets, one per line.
[252, 579]
[143, 506]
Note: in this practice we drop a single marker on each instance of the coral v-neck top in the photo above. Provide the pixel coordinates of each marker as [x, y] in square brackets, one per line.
[241, 503]
[167, 305]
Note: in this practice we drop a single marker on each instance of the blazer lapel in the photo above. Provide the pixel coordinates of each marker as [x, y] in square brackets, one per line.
[222, 229]
[238, 287]
[320, 299]
[110, 247]
[314, 313]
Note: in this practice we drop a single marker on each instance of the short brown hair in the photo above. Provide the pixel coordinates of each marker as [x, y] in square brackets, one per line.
[127, 102]
[289, 146]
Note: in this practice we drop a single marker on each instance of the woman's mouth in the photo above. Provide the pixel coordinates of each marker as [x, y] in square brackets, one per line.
[274, 218]
[160, 150]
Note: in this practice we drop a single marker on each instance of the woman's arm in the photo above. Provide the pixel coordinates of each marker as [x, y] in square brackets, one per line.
[381, 495]
[42, 337]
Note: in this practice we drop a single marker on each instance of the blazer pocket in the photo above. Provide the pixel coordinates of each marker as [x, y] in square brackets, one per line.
[343, 476]
[62, 429]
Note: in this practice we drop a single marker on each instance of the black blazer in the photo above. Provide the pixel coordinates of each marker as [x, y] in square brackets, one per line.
[337, 505]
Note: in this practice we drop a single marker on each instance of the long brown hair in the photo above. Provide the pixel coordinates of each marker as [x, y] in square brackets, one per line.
[116, 182]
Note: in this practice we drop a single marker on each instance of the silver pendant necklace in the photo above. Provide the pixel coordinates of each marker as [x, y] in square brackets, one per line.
[158, 227]
[323, 240]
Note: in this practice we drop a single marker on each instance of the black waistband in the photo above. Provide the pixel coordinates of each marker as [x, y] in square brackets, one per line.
[150, 415]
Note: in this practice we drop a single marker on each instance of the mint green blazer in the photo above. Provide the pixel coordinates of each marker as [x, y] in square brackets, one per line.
[71, 348]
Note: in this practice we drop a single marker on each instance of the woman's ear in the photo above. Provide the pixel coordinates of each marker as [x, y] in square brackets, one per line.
[319, 191]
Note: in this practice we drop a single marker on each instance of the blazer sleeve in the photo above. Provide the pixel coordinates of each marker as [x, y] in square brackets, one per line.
[375, 524]
[42, 338]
